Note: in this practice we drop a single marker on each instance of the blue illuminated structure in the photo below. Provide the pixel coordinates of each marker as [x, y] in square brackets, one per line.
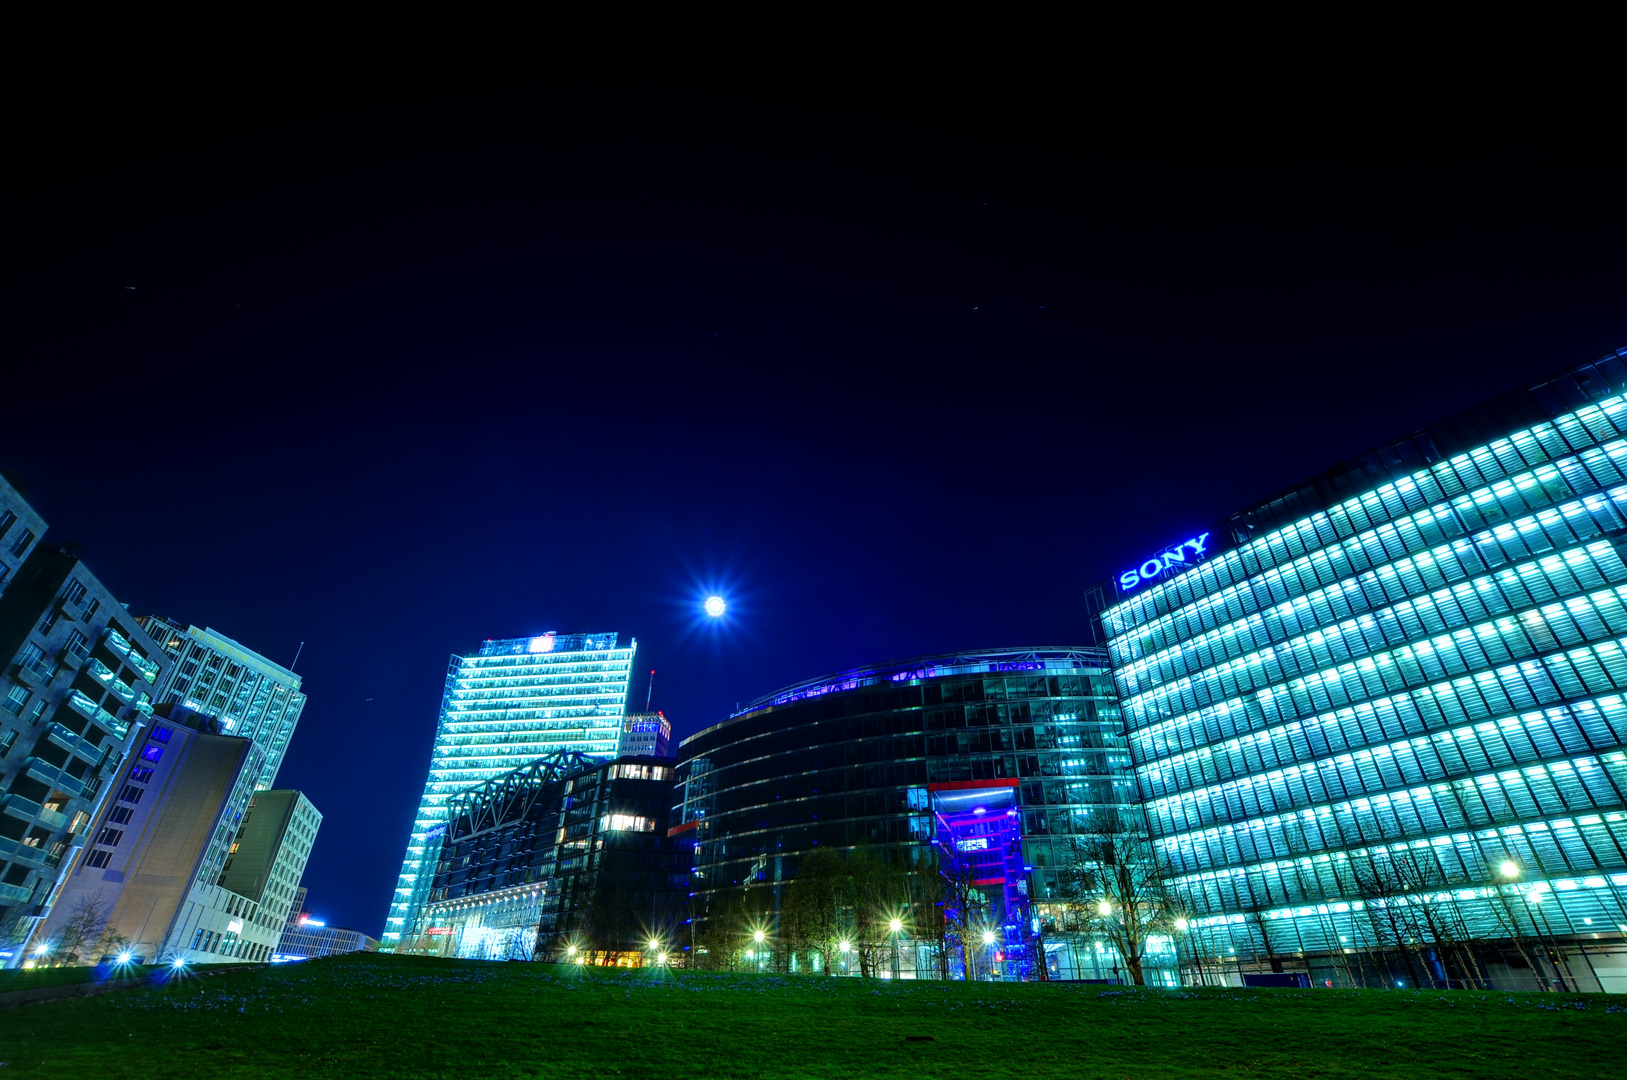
[1381, 736]
[979, 836]
[514, 701]
[898, 760]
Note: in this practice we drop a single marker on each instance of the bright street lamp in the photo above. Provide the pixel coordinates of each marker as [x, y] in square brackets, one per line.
[988, 937]
[896, 925]
[715, 607]
[1105, 908]
[1509, 869]
[1181, 924]
[758, 937]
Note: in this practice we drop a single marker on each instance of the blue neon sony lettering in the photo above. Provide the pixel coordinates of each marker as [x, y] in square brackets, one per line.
[1176, 555]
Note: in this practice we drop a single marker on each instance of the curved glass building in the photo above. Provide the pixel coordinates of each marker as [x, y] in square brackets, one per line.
[1012, 748]
[1378, 720]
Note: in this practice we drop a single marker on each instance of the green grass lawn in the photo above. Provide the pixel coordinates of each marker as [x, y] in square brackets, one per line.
[18, 979]
[382, 1016]
[35, 977]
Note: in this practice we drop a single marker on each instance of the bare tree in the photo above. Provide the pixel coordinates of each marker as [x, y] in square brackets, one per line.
[1410, 904]
[1118, 878]
[82, 929]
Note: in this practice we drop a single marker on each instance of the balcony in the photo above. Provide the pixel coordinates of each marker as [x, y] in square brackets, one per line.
[53, 820]
[74, 744]
[46, 773]
[116, 642]
[19, 807]
[14, 894]
[104, 675]
[35, 674]
[19, 852]
[92, 711]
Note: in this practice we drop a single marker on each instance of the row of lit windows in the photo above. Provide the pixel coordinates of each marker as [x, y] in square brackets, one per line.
[1292, 752]
[546, 734]
[1487, 912]
[1599, 616]
[1547, 848]
[1430, 867]
[1389, 594]
[1424, 488]
[541, 686]
[1514, 688]
[1531, 791]
[487, 668]
[507, 725]
[1589, 669]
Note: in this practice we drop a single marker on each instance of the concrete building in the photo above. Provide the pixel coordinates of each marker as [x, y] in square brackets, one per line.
[146, 877]
[509, 704]
[644, 735]
[20, 529]
[307, 938]
[76, 688]
[249, 694]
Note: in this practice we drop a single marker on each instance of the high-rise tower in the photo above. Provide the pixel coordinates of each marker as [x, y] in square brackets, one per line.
[512, 702]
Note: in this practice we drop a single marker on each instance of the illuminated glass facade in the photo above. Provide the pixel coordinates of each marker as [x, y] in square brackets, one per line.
[251, 696]
[568, 859]
[514, 701]
[1385, 714]
[1005, 755]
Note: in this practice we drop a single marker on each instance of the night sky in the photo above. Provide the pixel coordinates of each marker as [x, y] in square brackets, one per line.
[393, 372]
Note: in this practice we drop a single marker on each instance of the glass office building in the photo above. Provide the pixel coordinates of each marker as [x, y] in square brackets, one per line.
[997, 758]
[512, 702]
[1378, 720]
[568, 859]
[250, 695]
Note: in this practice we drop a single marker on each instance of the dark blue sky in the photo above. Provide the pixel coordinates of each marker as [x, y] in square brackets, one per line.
[898, 374]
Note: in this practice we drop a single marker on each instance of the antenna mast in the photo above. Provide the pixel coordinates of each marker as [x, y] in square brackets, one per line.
[651, 693]
[296, 655]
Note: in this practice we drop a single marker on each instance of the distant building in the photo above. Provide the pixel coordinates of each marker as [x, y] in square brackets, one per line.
[644, 735]
[250, 695]
[77, 682]
[20, 529]
[511, 703]
[305, 938]
[566, 858]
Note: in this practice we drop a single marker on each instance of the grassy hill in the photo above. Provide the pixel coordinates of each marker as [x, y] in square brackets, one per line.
[382, 1016]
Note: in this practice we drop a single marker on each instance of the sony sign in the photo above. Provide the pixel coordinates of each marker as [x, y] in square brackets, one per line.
[1174, 557]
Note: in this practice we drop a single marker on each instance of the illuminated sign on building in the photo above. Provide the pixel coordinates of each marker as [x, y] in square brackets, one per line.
[545, 643]
[977, 843]
[1175, 557]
